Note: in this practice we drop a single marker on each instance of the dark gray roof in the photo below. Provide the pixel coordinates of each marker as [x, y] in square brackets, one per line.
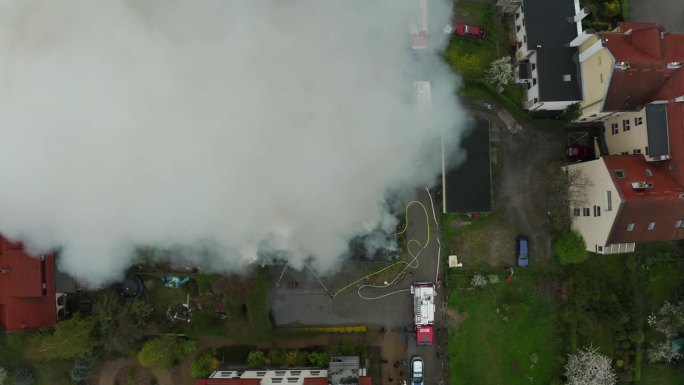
[548, 33]
[656, 120]
[524, 70]
[467, 187]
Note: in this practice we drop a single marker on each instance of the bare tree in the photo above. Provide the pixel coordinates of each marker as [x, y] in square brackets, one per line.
[565, 188]
[589, 367]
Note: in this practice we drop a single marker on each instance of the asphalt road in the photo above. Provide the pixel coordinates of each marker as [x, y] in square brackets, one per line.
[310, 303]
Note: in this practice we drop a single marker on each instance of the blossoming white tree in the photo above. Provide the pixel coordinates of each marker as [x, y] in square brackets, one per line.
[589, 367]
[500, 72]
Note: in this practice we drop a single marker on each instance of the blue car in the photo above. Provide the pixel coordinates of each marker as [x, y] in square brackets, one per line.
[522, 251]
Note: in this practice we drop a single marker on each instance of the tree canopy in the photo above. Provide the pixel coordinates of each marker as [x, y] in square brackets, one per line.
[165, 351]
[121, 325]
[71, 338]
[570, 248]
[589, 367]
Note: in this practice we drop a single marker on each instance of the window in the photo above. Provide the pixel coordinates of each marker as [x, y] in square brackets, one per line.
[586, 212]
[625, 125]
[614, 128]
[576, 212]
[649, 172]
[534, 66]
[525, 39]
[597, 211]
[646, 150]
[534, 81]
[624, 153]
[638, 121]
[601, 76]
[536, 100]
[599, 249]
[630, 227]
[620, 173]
[679, 224]
[517, 15]
[519, 45]
[651, 225]
[637, 151]
[517, 28]
[609, 201]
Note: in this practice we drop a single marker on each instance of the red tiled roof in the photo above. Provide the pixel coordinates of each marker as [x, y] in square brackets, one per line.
[660, 204]
[365, 380]
[648, 52]
[228, 381]
[316, 381]
[27, 288]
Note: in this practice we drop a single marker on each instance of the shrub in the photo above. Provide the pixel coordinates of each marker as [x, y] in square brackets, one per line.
[277, 357]
[82, 369]
[319, 359]
[255, 359]
[570, 248]
[3, 375]
[636, 336]
[24, 377]
[478, 281]
[611, 9]
[204, 365]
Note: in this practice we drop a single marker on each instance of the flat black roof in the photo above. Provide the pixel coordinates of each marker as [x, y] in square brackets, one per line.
[548, 33]
[656, 123]
[468, 186]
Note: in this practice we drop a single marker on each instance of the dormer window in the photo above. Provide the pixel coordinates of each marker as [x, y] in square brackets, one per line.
[622, 65]
[641, 185]
[674, 65]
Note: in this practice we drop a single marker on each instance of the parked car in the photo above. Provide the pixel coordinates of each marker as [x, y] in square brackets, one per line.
[522, 251]
[466, 30]
[579, 152]
[417, 370]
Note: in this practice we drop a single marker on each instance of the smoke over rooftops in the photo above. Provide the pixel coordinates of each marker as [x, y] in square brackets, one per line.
[234, 126]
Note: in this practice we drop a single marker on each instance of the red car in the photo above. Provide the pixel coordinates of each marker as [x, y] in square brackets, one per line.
[466, 30]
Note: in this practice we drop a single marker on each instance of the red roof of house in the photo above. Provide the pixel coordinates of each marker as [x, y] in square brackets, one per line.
[27, 288]
[660, 204]
[229, 381]
[316, 381]
[648, 50]
[365, 380]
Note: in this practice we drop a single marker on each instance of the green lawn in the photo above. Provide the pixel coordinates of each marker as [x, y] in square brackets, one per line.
[471, 57]
[506, 326]
[243, 299]
[662, 375]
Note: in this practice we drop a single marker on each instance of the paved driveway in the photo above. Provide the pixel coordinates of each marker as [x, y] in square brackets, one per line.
[669, 13]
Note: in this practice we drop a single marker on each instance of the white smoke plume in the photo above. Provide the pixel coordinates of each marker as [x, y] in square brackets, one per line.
[248, 126]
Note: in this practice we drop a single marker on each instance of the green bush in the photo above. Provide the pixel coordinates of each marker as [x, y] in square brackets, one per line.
[611, 9]
[636, 336]
[24, 377]
[204, 365]
[570, 248]
[255, 359]
[319, 359]
[277, 357]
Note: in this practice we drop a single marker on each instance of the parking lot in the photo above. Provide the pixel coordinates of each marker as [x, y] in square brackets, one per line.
[391, 308]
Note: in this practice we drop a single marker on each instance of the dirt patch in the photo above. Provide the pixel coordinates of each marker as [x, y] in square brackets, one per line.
[454, 318]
